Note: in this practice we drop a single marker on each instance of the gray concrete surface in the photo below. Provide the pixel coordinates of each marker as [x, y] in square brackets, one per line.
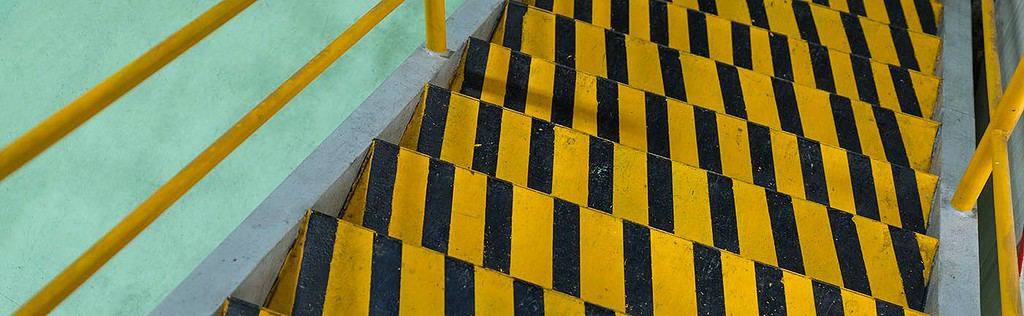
[245, 264]
[954, 287]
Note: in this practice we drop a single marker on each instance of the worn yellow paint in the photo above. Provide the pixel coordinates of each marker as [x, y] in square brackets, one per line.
[683, 137]
[493, 293]
[584, 114]
[788, 172]
[734, 144]
[799, 295]
[705, 91]
[288, 275]
[672, 276]
[570, 164]
[591, 41]
[837, 175]
[348, 289]
[632, 111]
[458, 144]
[630, 189]
[466, 235]
[854, 304]
[886, 194]
[692, 206]
[514, 149]
[880, 261]
[816, 244]
[422, 282]
[406, 223]
[556, 303]
[532, 224]
[739, 285]
[601, 259]
[538, 102]
[754, 226]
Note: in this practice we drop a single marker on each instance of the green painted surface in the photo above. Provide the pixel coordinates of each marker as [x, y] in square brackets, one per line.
[53, 209]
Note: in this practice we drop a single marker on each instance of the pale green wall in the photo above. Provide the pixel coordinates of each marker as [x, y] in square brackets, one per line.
[54, 208]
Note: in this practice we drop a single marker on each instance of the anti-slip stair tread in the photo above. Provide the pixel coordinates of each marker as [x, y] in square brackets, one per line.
[364, 273]
[554, 243]
[557, 93]
[642, 63]
[236, 307]
[812, 66]
[797, 19]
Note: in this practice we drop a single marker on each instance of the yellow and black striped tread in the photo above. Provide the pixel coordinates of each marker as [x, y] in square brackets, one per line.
[339, 268]
[236, 307]
[602, 51]
[560, 94]
[796, 19]
[580, 251]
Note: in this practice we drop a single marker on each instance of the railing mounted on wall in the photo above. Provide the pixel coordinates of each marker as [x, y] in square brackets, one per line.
[991, 158]
[73, 115]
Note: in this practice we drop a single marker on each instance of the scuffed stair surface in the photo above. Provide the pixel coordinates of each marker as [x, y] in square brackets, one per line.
[235, 307]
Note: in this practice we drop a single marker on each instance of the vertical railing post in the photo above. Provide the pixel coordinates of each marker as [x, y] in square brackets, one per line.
[436, 33]
[1006, 239]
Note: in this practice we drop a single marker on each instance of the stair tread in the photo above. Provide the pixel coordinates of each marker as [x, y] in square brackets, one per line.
[813, 66]
[540, 88]
[236, 307]
[432, 203]
[881, 42]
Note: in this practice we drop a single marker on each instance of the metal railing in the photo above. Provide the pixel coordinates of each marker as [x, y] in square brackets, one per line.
[991, 158]
[73, 115]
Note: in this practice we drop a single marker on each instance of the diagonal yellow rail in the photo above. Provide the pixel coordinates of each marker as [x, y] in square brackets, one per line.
[74, 114]
[132, 225]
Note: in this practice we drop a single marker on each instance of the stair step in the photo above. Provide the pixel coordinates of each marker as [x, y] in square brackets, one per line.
[557, 244]
[339, 268]
[796, 19]
[236, 307]
[812, 66]
[592, 104]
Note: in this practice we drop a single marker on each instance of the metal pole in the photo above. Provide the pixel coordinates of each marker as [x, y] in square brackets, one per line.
[436, 33]
[1006, 239]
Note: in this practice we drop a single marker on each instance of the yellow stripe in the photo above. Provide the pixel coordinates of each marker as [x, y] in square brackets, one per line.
[632, 110]
[786, 158]
[854, 304]
[466, 233]
[781, 19]
[837, 178]
[556, 303]
[799, 295]
[816, 244]
[678, 25]
[538, 101]
[532, 223]
[704, 90]
[845, 80]
[584, 114]
[457, 146]
[816, 115]
[288, 278]
[630, 189]
[719, 39]
[643, 72]
[739, 285]
[422, 277]
[760, 100]
[493, 293]
[880, 261]
[639, 18]
[406, 218]
[830, 29]
[569, 165]
[348, 288]
[514, 149]
[754, 226]
[692, 207]
[672, 276]
[683, 134]
[885, 188]
[734, 147]
[803, 68]
[601, 270]
[886, 90]
[496, 76]
[591, 41]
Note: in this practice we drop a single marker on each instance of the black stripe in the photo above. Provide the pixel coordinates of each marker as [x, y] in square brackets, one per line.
[732, 90]
[805, 22]
[865, 79]
[784, 232]
[563, 96]
[615, 52]
[237, 307]
[565, 270]
[761, 158]
[380, 187]
[707, 266]
[771, 293]
[565, 41]
[475, 67]
[883, 308]
[698, 28]
[707, 6]
[517, 82]
[895, 12]
[657, 124]
[857, 7]
[927, 16]
[781, 61]
[847, 243]
[908, 198]
[658, 13]
[828, 299]
[905, 91]
[864, 197]
[822, 2]
[758, 16]
[498, 225]
[607, 109]
[513, 37]
[542, 154]
[636, 246]
[437, 215]
[435, 114]
[892, 139]
[904, 48]
[822, 66]
[908, 258]
[385, 276]
[459, 288]
[545, 4]
[528, 298]
[602, 157]
[660, 210]
[741, 56]
[723, 213]
[583, 10]
[620, 15]
[813, 169]
[315, 268]
[672, 73]
[595, 310]
[488, 135]
[855, 36]
[846, 124]
[785, 103]
[708, 151]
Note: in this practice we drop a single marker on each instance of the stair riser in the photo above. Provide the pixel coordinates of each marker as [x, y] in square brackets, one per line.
[235, 307]
[558, 244]
[794, 19]
[554, 92]
[557, 38]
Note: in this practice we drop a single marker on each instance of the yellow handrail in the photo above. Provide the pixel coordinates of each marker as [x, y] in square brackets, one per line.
[117, 238]
[74, 114]
[1006, 239]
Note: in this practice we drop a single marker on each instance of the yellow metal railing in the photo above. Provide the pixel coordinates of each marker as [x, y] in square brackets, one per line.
[95, 100]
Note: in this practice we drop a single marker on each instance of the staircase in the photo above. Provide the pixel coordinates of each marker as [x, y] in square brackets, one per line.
[638, 157]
